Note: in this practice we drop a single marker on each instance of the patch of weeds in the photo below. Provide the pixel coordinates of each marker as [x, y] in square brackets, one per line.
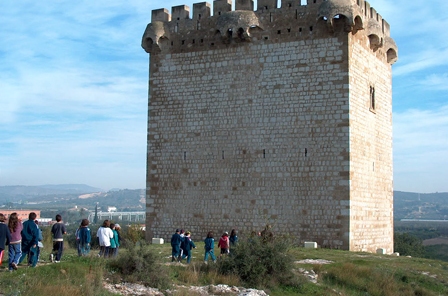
[139, 264]
[260, 263]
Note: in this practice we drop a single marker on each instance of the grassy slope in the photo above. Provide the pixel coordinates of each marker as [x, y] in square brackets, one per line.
[349, 274]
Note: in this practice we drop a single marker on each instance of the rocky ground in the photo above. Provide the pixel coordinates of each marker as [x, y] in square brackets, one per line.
[137, 289]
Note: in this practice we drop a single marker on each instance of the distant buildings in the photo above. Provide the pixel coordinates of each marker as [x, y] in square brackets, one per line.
[23, 214]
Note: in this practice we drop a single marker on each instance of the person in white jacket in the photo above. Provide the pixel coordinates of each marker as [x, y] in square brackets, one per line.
[104, 234]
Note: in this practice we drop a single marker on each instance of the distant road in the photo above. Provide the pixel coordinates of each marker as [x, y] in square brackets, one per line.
[422, 220]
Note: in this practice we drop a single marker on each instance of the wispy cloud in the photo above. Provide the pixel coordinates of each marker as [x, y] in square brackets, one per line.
[73, 91]
[436, 82]
[421, 149]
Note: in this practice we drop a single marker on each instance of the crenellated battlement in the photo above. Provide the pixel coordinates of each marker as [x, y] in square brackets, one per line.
[183, 29]
[268, 112]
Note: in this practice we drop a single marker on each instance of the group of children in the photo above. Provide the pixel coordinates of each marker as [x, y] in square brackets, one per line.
[109, 239]
[182, 244]
[25, 239]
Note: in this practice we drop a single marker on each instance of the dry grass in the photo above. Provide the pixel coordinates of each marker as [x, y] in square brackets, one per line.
[349, 274]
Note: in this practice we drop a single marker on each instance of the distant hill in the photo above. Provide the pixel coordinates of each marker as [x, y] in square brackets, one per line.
[411, 205]
[407, 205]
[26, 192]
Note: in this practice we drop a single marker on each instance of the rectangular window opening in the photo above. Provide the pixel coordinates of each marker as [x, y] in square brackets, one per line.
[372, 106]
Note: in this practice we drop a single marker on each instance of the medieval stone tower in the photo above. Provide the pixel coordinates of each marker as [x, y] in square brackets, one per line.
[278, 114]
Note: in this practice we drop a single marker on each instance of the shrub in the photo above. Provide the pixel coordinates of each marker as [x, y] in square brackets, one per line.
[260, 263]
[132, 234]
[139, 264]
[408, 245]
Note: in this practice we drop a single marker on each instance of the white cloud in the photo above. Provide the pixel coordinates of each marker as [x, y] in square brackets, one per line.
[435, 82]
[422, 60]
[73, 91]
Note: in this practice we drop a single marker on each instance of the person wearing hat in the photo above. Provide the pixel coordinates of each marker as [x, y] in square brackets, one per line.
[187, 245]
[224, 243]
[176, 239]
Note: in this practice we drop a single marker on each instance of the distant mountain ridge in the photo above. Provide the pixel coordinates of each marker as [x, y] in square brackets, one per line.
[25, 192]
[407, 205]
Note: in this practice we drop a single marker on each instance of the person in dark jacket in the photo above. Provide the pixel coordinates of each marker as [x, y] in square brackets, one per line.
[176, 240]
[58, 230]
[30, 239]
[5, 236]
[84, 238]
[209, 246]
[187, 245]
[233, 238]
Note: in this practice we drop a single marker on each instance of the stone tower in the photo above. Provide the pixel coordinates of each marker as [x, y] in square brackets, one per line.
[279, 115]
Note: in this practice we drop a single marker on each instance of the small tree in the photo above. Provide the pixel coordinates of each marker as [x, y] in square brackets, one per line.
[408, 245]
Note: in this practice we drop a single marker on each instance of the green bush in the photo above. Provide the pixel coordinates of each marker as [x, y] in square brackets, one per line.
[131, 234]
[139, 264]
[261, 263]
[408, 245]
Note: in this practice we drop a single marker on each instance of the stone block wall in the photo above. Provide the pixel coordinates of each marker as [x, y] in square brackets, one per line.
[264, 117]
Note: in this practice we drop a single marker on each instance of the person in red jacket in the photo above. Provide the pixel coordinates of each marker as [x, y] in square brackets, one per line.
[224, 243]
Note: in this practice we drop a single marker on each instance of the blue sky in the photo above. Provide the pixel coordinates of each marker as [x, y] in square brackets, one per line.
[73, 92]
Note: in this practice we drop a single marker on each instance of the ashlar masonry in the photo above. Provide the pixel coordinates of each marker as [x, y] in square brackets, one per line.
[279, 115]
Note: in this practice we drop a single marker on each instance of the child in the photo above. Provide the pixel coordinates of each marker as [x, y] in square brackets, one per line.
[40, 245]
[84, 238]
[77, 240]
[118, 228]
[5, 236]
[187, 245]
[182, 238]
[58, 230]
[176, 240]
[224, 243]
[104, 235]
[15, 246]
[233, 238]
[209, 246]
[30, 240]
[113, 242]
